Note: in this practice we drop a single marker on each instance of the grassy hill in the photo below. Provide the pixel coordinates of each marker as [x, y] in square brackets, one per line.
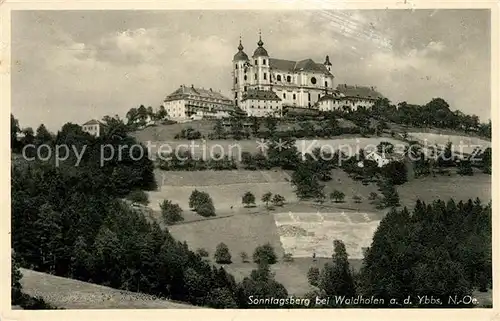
[72, 294]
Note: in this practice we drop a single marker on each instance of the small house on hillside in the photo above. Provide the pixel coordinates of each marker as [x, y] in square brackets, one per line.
[94, 127]
[379, 158]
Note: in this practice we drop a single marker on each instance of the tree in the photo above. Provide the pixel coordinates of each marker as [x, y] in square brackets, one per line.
[336, 277]
[373, 196]
[202, 252]
[219, 131]
[15, 280]
[391, 196]
[171, 213]
[244, 257]
[206, 209]
[221, 298]
[255, 126]
[222, 255]
[138, 196]
[43, 136]
[278, 200]
[161, 114]
[313, 276]
[357, 199]
[385, 147]
[248, 199]
[271, 124]
[266, 198]
[201, 203]
[265, 254]
[337, 196]
[465, 168]
[14, 130]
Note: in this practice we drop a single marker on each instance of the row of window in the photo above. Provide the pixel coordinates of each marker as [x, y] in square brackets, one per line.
[278, 78]
[91, 128]
[264, 62]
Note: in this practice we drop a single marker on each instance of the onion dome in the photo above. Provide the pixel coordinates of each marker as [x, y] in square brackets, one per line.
[260, 51]
[240, 55]
[327, 61]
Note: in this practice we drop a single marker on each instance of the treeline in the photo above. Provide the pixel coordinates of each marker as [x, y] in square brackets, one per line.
[434, 256]
[18, 297]
[69, 221]
[436, 113]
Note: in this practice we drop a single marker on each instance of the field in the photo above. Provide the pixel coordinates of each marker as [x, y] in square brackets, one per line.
[303, 234]
[225, 187]
[232, 148]
[205, 127]
[446, 187]
[459, 143]
[72, 294]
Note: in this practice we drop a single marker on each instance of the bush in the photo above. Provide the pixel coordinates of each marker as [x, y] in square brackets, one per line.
[265, 254]
[313, 276]
[201, 203]
[278, 200]
[248, 199]
[170, 212]
[337, 196]
[222, 255]
[244, 257]
[138, 196]
[373, 196]
[206, 209]
[357, 199]
[202, 252]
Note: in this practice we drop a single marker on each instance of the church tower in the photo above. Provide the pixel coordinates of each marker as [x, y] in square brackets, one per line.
[328, 64]
[261, 77]
[240, 66]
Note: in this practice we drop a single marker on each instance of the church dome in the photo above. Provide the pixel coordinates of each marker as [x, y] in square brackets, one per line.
[260, 51]
[240, 55]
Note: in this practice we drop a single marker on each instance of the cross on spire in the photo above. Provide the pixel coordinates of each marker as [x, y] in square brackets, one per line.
[260, 43]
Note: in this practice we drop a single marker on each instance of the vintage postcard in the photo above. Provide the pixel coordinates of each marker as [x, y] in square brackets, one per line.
[238, 160]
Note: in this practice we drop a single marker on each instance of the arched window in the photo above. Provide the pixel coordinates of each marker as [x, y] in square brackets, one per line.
[294, 97]
[288, 79]
[255, 76]
[309, 96]
[265, 76]
[278, 77]
[256, 62]
[264, 61]
[284, 95]
[235, 80]
[326, 83]
[236, 66]
[245, 77]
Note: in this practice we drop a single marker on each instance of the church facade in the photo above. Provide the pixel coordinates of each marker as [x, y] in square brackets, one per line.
[265, 86]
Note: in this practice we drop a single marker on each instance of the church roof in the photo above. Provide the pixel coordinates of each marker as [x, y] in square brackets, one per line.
[364, 92]
[296, 66]
[240, 55]
[260, 95]
[184, 91]
[260, 51]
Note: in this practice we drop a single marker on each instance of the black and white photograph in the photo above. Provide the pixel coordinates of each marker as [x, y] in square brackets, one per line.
[251, 159]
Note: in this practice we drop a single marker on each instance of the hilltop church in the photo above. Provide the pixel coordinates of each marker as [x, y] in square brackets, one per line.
[265, 86]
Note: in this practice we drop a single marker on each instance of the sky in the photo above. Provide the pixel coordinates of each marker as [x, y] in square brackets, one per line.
[73, 66]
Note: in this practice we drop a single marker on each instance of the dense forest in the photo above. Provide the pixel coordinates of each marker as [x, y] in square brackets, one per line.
[71, 221]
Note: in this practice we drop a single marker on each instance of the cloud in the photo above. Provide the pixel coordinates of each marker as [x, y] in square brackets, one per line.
[73, 70]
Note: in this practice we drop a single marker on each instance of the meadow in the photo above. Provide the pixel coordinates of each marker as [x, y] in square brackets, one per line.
[73, 294]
